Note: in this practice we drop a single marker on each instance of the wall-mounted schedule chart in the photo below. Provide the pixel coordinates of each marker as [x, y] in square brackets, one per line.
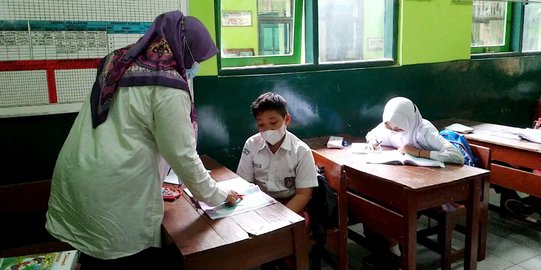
[49, 49]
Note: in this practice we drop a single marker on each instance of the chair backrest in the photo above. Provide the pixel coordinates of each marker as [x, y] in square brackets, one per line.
[334, 174]
[483, 154]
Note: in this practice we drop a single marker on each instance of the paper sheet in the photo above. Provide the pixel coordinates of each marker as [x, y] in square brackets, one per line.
[253, 198]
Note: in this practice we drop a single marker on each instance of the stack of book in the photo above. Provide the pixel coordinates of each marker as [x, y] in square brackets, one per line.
[62, 260]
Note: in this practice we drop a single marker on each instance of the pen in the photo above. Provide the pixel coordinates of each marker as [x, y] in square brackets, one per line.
[377, 146]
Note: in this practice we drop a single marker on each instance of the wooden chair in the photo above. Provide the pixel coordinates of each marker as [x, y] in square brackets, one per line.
[22, 208]
[336, 237]
[448, 216]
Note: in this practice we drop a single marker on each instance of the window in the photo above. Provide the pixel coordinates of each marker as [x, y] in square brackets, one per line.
[362, 39]
[262, 33]
[531, 39]
[491, 26]
[506, 27]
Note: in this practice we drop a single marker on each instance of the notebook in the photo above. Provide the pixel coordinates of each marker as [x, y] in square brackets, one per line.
[456, 127]
[397, 158]
[252, 198]
[530, 134]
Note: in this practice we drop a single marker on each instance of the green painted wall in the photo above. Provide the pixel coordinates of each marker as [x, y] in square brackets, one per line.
[434, 31]
[502, 91]
[430, 31]
[204, 11]
[242, 36]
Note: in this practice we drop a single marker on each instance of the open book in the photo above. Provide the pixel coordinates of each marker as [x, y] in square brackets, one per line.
[62, 260]
[530, 134]
[252, 198]
[395, 157]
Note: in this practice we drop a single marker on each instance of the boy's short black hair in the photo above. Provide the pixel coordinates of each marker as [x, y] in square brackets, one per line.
[269, 101]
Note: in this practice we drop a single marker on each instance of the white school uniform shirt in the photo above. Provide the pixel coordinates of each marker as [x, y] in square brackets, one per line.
[417, 132]
[440, 149]
[279, 174]
[106, 188]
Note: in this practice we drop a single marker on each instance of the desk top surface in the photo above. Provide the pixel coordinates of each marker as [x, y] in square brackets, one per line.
[413, 177]
[491, 133]
[193, 231]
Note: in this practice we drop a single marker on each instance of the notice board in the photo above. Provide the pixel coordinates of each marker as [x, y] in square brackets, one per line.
[49, 49]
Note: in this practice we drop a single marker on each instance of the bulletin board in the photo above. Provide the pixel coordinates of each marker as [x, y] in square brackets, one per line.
[49, 49]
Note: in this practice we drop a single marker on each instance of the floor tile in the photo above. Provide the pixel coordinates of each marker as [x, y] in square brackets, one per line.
[516, 267]
[532, 264]
[511, 244]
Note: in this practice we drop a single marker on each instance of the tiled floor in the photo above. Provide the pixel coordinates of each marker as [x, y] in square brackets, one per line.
[511, 244]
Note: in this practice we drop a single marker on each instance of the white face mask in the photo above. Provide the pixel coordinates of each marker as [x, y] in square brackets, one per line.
[273, 136]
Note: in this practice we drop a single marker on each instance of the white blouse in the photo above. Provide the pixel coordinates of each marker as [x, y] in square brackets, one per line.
[440, 149]
[106, 188]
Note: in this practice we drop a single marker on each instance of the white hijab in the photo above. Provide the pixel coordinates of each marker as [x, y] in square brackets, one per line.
[402, 113]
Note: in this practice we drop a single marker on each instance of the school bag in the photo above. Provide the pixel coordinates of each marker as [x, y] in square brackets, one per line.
[322, 208]
[461, 143]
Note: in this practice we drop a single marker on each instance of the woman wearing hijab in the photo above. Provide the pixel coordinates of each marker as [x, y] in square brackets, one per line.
[404, 128]
[106, 187]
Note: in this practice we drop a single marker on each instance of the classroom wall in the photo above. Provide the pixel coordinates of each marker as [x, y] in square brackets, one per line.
[501, 91]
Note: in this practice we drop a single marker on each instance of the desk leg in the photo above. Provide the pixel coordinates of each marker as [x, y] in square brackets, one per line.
[472, 226]
[301, 245]
[483, 219]
[409, 256]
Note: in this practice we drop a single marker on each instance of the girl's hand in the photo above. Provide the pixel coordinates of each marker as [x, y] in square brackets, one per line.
[538, 124]
[409, 149]
[374, 145]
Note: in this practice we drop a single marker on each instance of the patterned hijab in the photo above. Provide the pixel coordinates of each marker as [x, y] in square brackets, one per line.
[160, 57]
[402, 113]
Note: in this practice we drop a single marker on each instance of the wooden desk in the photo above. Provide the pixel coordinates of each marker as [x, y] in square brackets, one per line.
[520, 155]
[508, 149]
[242, 241]
[387, 198]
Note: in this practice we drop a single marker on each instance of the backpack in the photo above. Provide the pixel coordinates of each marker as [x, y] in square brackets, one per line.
[322, 208]
[461, 143]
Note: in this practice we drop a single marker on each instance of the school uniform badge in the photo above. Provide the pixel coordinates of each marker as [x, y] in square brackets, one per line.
[289, 182]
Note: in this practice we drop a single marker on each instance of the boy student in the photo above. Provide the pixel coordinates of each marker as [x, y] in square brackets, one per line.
[276, 160]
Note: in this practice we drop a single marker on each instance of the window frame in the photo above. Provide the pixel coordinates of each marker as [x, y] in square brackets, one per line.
[291, 63]
[506, 47]
[516, 35]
